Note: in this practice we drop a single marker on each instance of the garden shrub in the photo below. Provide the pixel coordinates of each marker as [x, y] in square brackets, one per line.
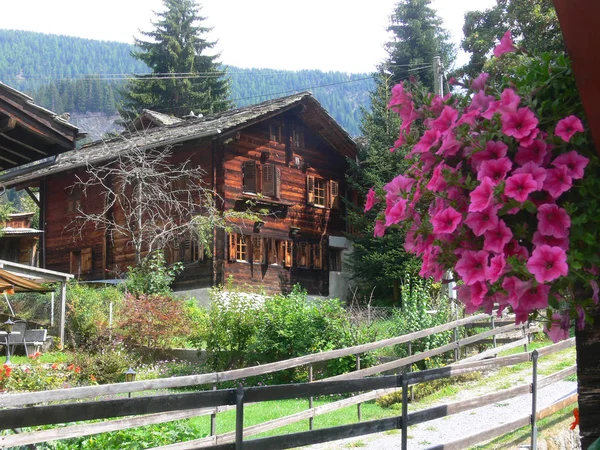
[152, 275]
[152, 320]
[230, 328]
[35, 376]
[106, 363]
[414, 316]
[88, 312]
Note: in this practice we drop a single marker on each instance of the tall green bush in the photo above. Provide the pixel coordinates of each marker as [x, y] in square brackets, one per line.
[152, 276]
[88, 312]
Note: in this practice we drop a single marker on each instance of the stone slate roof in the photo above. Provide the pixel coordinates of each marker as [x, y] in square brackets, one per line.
[149, 119]
[195, 128]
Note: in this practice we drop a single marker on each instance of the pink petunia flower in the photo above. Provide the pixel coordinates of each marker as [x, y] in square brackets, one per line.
[399, 184]
[482, 196]
[480, 102]
[535, 298]
[493, 150]
[558, 181]
[438, 183]
[478, 291]
[506, 45]
[548, 263]
[396, 213]
[430, 138]
[509, 101]
[515, 288]
[446, 121]
[520, 124]
[539, 239]
[519, 186]
[496, 268]
[557, 331]
[574, 162]
[567, 127]
[538, 173]
[495, 169]
[446, 221]
[483, 221]
[450, 146]
[472, 266]
[536, 152]
[469, 118]
[595, 290]
[515, 249]
[372, 200]
[496, 239]
[553, 221]
[379, 230]
[479, 83]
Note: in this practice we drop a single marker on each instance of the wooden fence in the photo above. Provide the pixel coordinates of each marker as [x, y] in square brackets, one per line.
[164, 408]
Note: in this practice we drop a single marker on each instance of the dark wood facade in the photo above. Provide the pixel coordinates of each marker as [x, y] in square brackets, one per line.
[19, 241]
[285, 157]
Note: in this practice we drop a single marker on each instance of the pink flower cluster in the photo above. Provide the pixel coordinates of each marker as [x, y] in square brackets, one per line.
[482, 197]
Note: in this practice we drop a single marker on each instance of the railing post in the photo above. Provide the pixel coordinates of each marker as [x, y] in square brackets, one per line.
[534, 358]
[526, 335]
[239, 418]
[213, 416]
[493, 328]
[359, 405]
[456, 349]
[310, 399]
[405, 411]
[412, 396]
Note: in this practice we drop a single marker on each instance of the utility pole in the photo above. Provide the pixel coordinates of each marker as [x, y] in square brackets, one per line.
[438, 83]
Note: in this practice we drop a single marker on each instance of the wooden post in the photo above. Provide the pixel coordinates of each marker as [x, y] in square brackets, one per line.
[52, 309]
[239, 418]
[412, 395]
[310, 399]
[493, 328]
[526, 335]
[213, 417]
[404, 411]
[534, 357]
[457, 348]
[63, 310]
[359, 405]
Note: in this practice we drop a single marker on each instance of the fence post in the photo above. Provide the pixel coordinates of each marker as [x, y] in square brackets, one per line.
[412, 396]
[213, 416]
[239, 418]
[457, 348]
[526, 335]
[52, 309]
[310, 399]
[493, 328]
[405, 411]
[534, 357]
[359, 405]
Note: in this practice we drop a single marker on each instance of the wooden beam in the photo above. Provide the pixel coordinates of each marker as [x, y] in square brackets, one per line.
[3, 158]
[20, 155]
[33, 197]
[7, 124]
[27, 146]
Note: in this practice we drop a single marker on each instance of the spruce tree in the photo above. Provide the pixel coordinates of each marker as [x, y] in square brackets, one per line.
[184, 78]
[417, 38]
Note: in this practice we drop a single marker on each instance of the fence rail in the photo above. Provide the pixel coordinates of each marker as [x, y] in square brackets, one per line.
[160, 408]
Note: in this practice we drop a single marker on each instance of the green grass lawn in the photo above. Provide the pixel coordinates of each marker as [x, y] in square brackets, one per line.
[45, 358]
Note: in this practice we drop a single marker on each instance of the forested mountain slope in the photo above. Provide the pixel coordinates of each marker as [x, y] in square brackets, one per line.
[68, 74]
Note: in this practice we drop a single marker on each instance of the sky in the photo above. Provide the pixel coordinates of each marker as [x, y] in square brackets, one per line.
[339, 35]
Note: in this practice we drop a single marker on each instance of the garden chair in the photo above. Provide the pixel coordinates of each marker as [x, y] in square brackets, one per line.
[35, 339]
[17, 336]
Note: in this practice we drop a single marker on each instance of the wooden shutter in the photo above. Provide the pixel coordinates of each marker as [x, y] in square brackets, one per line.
[268, 180]
[86, 260]
[232, 247]
[249, 176]
[310, 190]
[278, 183]
[334, 194]
[75, 263]
[287, 253]
[257, 250]
[317, 256]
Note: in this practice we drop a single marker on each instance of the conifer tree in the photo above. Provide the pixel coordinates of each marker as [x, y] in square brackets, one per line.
[184, 77]
[417, 38]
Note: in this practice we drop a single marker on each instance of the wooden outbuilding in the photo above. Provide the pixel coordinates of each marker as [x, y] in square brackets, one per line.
[19, 240]
[287, 156]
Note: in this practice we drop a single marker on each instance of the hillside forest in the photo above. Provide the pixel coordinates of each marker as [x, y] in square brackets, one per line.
[82, 76]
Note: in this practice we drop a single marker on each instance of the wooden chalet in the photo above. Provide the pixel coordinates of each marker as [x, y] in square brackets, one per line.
[19, 240]
[287, 155]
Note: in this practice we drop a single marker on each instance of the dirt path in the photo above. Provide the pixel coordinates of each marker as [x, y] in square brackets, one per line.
[451, 428]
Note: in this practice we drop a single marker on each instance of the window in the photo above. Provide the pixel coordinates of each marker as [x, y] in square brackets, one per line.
[81, 261]
[317, 256]
[74, 200]
[286, 253]
[322, 193]
[264, 179]
[298, 137]
[238, 247]
[275, 133]
[302, 254]
[335, 260]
